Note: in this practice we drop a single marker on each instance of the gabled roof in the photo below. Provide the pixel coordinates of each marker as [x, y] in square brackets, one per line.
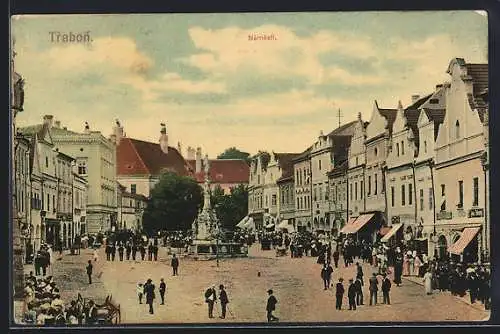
[137, 157]
[344, 130]
[41, 130]
[436, 116]
[390, 116]
[223, 171]
[285, 161]
[477, 100]
[302, 156]
[412, 114]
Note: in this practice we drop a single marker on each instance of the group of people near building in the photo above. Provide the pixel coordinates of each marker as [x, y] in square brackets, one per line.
[131, 250]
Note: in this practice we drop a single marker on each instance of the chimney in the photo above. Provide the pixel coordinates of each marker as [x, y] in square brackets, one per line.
[117, 132]
[87, 128]
[179, 147]
[164, 138]
[359, 116]
[48, 119]
[198, 160]
[439, 86]
[414, 98]
[190, 153]
[58, 124]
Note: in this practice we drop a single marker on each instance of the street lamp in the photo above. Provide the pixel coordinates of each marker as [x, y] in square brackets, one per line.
[485, 166]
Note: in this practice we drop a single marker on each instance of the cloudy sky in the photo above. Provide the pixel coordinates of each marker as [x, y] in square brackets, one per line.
[214, 88]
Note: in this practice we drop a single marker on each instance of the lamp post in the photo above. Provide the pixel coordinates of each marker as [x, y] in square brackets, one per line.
[485, 242]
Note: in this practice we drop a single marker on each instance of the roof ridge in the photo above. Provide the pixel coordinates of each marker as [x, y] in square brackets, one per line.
[137, 153]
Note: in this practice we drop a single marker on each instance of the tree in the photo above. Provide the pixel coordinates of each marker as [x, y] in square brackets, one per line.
[173, 205]
[230, 208]
[234, 153]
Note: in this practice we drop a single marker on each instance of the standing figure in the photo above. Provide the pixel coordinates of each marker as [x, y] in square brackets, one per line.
[140, 291]
[134, 251]
[89, 271]
[143, 252]
[417, 264]
[175, 265]
[271, 306]
[210, 299]
[398, 267]
[120, 251]
[223, 300]
[108, 251]
[386, 288]
[150, 252]
[359, 272]
[162, 289]
[428, 282]
[339, 294]
[373, 289]
[113, 252]
[96, 255]
[128, 250]
[155, 250]
[149, 291]
[351, 294]
[326, 275]
[336, 256]
[359, 291]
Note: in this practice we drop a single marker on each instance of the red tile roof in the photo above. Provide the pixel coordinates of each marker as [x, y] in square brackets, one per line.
[137, 157]
[223, 171]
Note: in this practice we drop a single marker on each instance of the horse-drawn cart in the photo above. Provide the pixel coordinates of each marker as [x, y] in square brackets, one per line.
[107, 314]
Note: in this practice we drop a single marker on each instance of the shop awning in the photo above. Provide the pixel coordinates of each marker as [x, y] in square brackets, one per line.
[270, 225]
[283, 224]
[467, 236]
[348, 225]
[359, 223]
[242, 223]
[391, 233]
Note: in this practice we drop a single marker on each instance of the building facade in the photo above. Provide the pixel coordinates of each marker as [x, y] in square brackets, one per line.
[356, 170]
[461, 165]
[80, 187]
[256, 205]
[303, 191]
[130, 209]
[338, 198]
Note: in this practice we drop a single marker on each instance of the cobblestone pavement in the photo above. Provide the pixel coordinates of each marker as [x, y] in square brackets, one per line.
[296, 282]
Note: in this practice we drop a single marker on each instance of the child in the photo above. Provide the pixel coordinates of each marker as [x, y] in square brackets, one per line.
[140, 291]
[339, 294]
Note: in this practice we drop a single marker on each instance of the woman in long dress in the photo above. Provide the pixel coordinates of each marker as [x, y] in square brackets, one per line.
[428, 282]
[416, 266]
[406, 265]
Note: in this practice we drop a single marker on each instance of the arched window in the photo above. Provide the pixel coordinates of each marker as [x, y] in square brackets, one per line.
[457, 129]
[376, 151]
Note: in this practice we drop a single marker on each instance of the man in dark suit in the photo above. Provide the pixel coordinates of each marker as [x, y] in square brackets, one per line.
[351, 295]
[175, 265]
[359, 291]
[336, 256]
[113, 252]
[359, 272]
[339, 294]
[120, 251]
[149, 291]
[210, 299]
[373, 289]
[89, 271]
[162, 289]
[223, 300]
[386, 288]
[271, 306]
[326, 275]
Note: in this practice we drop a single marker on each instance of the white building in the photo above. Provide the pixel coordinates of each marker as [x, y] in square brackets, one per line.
[461, 187]
[22, 190]
[303, 191]
[256, 205]
[130, 209]
[338, 197]
[96, 162]
[80, 187]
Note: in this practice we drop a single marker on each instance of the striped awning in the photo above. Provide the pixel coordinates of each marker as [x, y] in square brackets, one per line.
[391, 232]
[359, 223]
[467, 236]
[242, 223]
[347, 226]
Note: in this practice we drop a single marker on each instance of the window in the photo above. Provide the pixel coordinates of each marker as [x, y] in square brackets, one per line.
[327, 195]
[356, 191]
[421, 199]
[410, 194]
[475, 201]
[298, 203]
[48, 202]
[375, 151]
[403, 195]
[258, 179]
[443, 204]
[82, 168]
[305, 176]
[267, 200]
[350, 190]
[320, 193]
[457, 129]
[47, 162]
[319, 164]
[297, 177]
[425, 146]
[397, 149]
[402, 148]
[315, 192]
[376, 185]
[369, 185]
[460, 194]
[361, 189]
[434, 101]
[54, 203]
[273, 200]
[392, 196]
[357, 161]
[133, 188]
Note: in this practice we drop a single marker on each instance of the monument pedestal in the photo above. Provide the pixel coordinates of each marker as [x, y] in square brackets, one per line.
[207, 250]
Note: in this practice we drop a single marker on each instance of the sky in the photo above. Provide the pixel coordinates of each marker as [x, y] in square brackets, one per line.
[214, 88]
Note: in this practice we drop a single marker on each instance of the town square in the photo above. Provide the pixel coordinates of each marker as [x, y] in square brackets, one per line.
[234, 170]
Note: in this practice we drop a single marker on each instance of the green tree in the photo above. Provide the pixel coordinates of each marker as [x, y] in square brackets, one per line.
[173, 205]
[234, 153]
[232, 207]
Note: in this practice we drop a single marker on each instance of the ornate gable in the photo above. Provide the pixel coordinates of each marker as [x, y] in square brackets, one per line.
[378, 123]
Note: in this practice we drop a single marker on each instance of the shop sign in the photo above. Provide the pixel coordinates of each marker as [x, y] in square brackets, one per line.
[476, 213]
[444, 215]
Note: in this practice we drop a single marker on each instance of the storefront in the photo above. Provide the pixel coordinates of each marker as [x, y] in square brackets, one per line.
[466, 246]
[52, 232]
[365, 227]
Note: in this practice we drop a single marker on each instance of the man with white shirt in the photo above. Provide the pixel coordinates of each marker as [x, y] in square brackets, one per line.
[210, 299]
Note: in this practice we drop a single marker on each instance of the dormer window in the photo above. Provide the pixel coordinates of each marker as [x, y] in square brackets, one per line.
[375, 151]
[457, 129]
[434, 101]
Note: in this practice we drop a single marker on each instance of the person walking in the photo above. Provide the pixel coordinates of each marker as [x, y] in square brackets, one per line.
[428, 282]
[336, 256]
[162, 289]
[398, 267]
[128, 250]
[175, 265]
[149, 291]
[223, 301]
[373, 289]
[351, 294]
[339, 294]
[386, 288]
[120, 251]
[113, 252]
[134, 251]
[142, 249]
[359, 272]
[271, 306]
[140, 291]
[326, 275]
[150, 252]
[359, 291]
[155, 251]
[210, 299]
[89, 271]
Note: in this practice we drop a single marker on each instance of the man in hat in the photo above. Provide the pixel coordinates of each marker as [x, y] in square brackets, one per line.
[223, 300]
[210, 299]
[359, 291]
[339, 294]
[89, 271]
[351, 294]
[149, 291]
[271, 306]
[386, 288]
[373, 289]
[175, 265]
[162, 289]
[326, 274]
